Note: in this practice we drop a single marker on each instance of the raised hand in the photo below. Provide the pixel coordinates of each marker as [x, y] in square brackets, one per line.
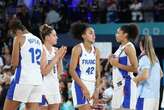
[61, 52]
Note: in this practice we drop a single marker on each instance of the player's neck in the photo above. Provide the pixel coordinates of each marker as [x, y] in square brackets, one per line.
[87, 46]
[25, 31]
[48, 46]
[124, 42]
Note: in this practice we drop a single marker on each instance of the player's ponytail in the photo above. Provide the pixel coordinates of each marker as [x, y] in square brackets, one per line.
[147, 45]
[45, 30]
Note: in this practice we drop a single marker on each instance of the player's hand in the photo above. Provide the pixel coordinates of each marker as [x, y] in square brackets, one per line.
[86, 93]
[61, 52]
[64, 51]
[95, 95]
[114, 61]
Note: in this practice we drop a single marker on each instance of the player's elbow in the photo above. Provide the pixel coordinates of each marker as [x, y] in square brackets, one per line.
[134, 69]
[145, 76]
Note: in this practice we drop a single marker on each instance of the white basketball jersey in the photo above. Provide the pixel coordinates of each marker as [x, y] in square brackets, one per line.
[124, 95]
[117, 75]
[86, 69]
[50, 81]
[28, 70]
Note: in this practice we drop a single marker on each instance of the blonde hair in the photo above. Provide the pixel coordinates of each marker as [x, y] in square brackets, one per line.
[147, 44]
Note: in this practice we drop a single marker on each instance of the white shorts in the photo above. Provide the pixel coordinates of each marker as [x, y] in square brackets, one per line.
[147, 104]
[50, 99]
[51, 93]
[118, 96]
[77, 94]
[24, 92]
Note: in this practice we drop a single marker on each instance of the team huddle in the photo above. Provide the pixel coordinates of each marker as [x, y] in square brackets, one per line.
[36, 64]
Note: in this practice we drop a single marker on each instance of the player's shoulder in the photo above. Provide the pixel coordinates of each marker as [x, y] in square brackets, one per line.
[130, 48]
[77, 48]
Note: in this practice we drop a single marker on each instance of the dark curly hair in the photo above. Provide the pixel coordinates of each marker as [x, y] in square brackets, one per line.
[132, 31]
[17, 25]
[78, 29]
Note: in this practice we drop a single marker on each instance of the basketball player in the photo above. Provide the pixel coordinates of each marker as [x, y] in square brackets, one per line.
[84, 67]
[51, 61]
[26, 56]
[149, 76]
[124, 62]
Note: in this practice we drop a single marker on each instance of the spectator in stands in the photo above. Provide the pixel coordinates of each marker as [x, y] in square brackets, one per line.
[93, 8]
[6, 54]
[5, 78]
[83, 8]
[148, 6]
[124, 14]
[135, 8]
[1, 63]
[111, 10]
[37, 19]
[159, 10]
[102, 11]
[67, 101]
[52, 18]
[23, 15]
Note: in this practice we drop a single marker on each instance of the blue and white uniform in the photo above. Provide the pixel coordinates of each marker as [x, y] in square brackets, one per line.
[149, 90]
[125, 90]
[51, 90]
[26, 85]
[86, 70]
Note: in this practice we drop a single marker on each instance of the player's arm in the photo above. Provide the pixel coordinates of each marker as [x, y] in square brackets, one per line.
[73, 64]
[161, 73]
[131, 53]
[60, 68]
[97, 89]
[143, 76]
[97, 68]
[72, 70]
[59, 64]
[47, 67]
[43, 62]
[18, 42]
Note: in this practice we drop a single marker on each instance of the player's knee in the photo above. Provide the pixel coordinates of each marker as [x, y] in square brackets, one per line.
[32, 106]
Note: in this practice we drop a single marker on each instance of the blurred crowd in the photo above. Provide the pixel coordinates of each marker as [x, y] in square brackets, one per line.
[61, 13]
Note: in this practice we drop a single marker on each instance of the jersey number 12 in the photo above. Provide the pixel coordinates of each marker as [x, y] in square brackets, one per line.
[35, 55]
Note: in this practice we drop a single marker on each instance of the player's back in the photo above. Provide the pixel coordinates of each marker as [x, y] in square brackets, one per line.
[150, 88]
[28, 70]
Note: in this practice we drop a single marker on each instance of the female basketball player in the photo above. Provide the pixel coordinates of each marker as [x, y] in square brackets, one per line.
[149, 76]
[84, 66]
[26, 55]
[124, 62]
[51, 61]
